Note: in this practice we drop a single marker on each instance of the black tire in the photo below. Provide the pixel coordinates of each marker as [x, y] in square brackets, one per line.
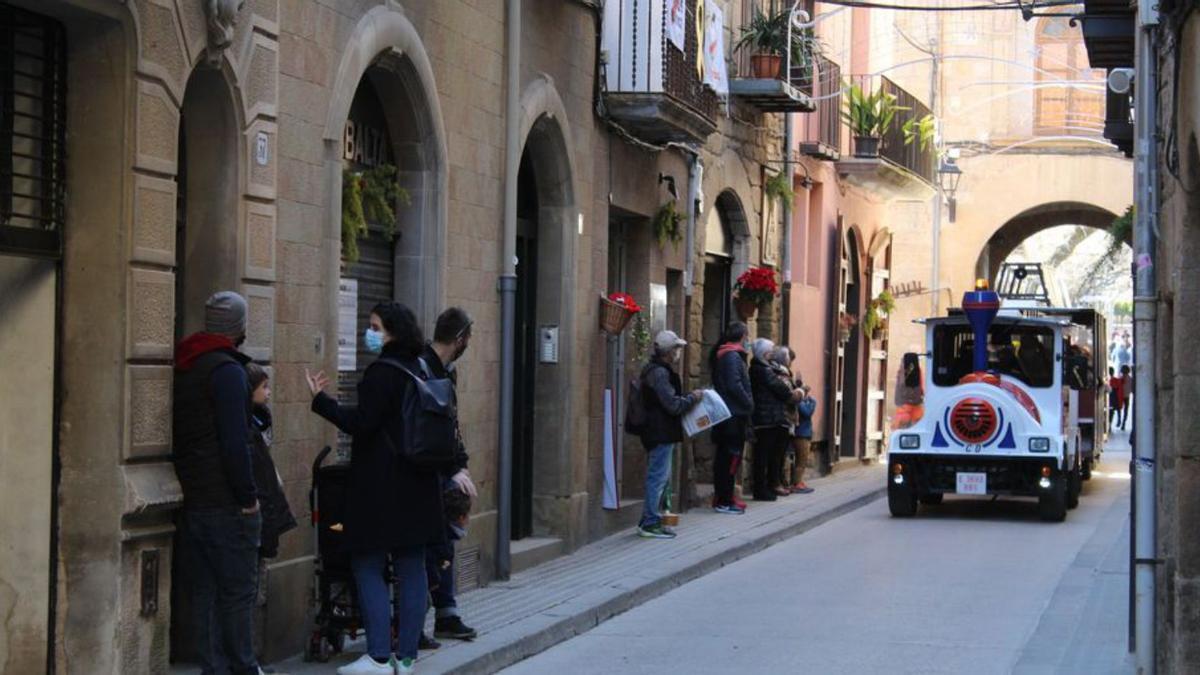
[1074, 487]
[931, 498]
[1087, 469]
[902, 501]
[1052, 504]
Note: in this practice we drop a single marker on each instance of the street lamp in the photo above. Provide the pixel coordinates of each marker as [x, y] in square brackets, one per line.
[948, 177]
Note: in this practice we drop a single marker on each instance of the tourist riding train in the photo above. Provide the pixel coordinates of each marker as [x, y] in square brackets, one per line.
[1004, 389]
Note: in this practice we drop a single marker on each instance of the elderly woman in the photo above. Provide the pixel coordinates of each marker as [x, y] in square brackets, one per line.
[774, 399]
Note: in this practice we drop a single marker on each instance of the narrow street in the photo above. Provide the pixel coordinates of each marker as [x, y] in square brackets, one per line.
[968, 586]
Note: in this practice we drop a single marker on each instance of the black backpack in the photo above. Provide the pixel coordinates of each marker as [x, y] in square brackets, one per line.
[635, 405]
[430, 418]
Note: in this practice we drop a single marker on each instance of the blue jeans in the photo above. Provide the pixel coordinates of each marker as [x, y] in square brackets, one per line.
[222, 558]
[442, 595]
[411, 586]
[658, 470]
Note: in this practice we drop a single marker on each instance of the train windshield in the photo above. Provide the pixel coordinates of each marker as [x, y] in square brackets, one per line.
[1023, 352]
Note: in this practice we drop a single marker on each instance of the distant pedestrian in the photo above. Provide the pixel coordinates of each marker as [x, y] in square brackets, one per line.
[802, 436]
[1126, 394]
[781, 360]
[393, 506]
[665, 406]
[451, 338]
[1116, 399]
[222, 519]
[731, 380]
[773, 395]
[277, 515]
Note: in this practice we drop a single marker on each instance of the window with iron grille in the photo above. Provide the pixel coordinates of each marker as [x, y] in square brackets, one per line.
[32, 133]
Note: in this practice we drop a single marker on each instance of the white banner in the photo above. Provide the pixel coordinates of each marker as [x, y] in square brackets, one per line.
[611, 498]
[347, 325]
[715, 74]
[677, 23]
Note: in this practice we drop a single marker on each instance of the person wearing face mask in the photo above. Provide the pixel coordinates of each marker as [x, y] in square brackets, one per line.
[451, 337]
[731, 380]
[665, 407]
[221, 523]
[393, 506]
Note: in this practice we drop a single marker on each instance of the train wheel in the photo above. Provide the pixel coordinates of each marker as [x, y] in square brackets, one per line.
[902, 501]
[1074, 487]
[1052, 504]
[1087, 469]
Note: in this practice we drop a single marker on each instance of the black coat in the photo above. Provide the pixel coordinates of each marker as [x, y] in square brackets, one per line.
[731, 380]
[440, 371]
[390, 503]
[772, 396]
[665, 406]
[277, 515]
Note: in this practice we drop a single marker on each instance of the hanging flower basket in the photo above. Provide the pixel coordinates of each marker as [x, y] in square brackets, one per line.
[745, 308]
[846, 323]
[616, 311]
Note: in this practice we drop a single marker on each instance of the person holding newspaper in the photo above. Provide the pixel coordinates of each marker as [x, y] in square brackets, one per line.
[665, 405]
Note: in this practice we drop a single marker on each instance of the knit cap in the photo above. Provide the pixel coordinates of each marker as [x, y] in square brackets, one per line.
[225, 314]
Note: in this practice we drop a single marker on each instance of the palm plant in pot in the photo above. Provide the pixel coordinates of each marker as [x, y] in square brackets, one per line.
[765, 37]
[869, 116]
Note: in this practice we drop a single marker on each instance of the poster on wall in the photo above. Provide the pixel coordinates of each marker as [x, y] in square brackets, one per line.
[769, 234]
[347, 325]
[677, 23]
[715, 75]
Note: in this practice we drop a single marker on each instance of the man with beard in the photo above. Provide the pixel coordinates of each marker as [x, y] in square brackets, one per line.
[451, 337]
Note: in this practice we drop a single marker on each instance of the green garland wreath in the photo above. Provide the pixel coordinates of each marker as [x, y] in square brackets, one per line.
[369, 196]
[667, 225]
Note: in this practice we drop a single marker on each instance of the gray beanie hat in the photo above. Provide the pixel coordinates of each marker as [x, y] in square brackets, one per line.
[225, 314]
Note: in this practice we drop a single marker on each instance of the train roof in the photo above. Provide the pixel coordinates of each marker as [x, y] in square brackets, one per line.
[1001, 318]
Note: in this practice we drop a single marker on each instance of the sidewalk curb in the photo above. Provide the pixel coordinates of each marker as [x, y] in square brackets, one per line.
[582, 621]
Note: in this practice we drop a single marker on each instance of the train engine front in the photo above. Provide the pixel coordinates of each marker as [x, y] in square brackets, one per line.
[994, 417]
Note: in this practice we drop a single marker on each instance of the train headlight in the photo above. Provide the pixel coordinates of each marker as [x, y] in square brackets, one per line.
[1039, 444]
[909, 441]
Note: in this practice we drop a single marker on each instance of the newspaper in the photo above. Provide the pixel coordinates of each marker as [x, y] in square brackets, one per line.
[708, 413]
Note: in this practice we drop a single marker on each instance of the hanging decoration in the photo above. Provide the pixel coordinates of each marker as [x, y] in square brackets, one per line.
[369, 196]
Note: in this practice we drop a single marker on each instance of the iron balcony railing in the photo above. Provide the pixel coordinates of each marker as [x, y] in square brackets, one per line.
[913, 156]
[642, 60]
[821, 134]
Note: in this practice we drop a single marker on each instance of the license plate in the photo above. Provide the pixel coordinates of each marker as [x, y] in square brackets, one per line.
[971, 484]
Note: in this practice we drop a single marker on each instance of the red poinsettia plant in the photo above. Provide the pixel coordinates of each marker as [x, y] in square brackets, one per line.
[757, 285]
[626, 300]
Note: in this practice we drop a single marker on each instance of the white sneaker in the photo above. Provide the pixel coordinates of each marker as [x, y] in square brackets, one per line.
[404, 666]
[366, 665]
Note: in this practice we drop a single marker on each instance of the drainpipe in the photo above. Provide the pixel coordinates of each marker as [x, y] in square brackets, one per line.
[787, 231]
[508, 289]
[1145, 488]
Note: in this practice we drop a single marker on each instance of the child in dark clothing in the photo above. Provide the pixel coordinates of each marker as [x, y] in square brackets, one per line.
[277, 515]
[456, 505]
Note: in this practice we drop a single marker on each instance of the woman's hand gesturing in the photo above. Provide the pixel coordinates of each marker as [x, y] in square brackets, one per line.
[317, 382]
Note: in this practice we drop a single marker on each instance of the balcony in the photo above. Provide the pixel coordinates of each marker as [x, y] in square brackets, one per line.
[790, 90]
[902, 168]
[821, 132]
[652, 88]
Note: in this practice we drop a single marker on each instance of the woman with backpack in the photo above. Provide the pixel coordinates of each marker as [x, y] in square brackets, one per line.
[393, 505]
[731, 380]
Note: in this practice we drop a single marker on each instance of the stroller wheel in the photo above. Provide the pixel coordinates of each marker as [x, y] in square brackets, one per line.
[318, 649]
[337, 642]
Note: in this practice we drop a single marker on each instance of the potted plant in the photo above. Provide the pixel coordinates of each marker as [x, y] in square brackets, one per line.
[921, 131]
[869, 116]
[754, 288]
[846, 323]
[875, 320]
[616, 311]
[369, 196]
[765, 37]
[668, 224]
[779, 187]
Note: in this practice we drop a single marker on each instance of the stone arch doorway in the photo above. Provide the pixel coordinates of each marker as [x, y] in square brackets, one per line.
[1032, 221]
[542, 477]
[386, 78]
[207, 236]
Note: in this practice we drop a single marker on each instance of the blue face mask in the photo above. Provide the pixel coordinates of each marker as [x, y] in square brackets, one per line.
[373, 340]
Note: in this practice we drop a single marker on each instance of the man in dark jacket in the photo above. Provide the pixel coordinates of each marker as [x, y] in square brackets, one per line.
[221, 519]
[451, 337]
[731, 380]
[665, 407]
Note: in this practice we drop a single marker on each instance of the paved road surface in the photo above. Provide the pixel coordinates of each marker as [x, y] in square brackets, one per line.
[967, 587]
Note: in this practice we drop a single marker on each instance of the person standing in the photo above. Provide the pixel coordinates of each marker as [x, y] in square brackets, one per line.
[277, 515]
[393, 506]
[1115, 399]
[731, 380]
[221, 520]
[773, 395]
[665, 406]
[451, 337]
[802, 435]
[1126, 394]
[781, 359]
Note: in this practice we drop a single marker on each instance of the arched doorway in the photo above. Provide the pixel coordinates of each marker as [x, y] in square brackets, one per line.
[207, 258]
[846, 366]
[542, 481]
